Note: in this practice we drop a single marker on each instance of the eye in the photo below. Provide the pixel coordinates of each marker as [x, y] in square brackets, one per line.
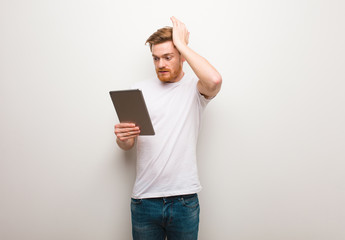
[155, 58]
[168, 58]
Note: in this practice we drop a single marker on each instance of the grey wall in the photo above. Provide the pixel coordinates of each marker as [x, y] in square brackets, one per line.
[271, 150]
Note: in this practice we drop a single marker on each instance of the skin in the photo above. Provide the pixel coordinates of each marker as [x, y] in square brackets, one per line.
[168, 58]
[126, 134]
[168, 62]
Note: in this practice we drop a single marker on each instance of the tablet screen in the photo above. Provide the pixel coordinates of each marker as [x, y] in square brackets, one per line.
[130, 106]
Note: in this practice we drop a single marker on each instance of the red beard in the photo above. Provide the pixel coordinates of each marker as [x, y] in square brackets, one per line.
[166, 75]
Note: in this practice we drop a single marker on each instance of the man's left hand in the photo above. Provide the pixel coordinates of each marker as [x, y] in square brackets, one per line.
[180, 33]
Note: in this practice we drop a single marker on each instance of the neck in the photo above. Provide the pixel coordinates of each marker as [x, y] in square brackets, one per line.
[178, 78]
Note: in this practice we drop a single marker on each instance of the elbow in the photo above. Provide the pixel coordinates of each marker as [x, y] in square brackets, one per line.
[218, 80]
[211, 86]
[216, 83]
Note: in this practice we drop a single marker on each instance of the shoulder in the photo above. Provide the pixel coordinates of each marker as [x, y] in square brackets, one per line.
[190, 79]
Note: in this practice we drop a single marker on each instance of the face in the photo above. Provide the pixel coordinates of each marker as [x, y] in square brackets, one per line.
[168, 62]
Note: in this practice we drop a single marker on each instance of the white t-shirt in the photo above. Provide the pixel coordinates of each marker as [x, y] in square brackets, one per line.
[166, 162]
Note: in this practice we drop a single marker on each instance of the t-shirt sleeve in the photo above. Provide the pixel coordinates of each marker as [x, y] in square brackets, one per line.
[202, 100]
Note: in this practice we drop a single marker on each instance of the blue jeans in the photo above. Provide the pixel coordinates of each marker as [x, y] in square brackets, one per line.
[176, 218]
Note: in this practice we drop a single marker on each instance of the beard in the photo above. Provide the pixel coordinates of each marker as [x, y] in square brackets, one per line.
[168, 75]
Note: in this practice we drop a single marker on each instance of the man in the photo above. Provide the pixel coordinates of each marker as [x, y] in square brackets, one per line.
[164, 200]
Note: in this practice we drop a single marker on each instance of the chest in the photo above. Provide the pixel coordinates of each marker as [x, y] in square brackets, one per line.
[169, 104]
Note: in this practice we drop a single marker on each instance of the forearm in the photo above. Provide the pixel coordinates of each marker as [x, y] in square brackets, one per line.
[209, 77]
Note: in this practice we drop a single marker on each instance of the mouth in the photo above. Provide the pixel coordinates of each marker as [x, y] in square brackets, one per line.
[163, 72]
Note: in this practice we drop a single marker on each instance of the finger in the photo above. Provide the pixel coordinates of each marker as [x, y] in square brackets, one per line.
[128, 137]
[179, 23]
[176, 21]
[129, 134]
[124, 139]
[125, 125]
[173, 20]
[124, 130]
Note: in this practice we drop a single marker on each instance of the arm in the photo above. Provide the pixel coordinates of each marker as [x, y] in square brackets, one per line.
[210, 80]
[126, 134]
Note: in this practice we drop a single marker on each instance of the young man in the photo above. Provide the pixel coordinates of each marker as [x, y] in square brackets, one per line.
[164, 200]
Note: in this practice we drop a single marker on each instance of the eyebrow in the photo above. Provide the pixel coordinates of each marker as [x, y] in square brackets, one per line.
[164, 55]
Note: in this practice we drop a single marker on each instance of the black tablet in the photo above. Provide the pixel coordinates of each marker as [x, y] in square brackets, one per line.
[130, 106]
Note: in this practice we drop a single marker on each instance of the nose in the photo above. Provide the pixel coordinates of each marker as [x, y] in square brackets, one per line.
[161, 63]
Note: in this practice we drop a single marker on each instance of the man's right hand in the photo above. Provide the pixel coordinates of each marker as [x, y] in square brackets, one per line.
[126, 134]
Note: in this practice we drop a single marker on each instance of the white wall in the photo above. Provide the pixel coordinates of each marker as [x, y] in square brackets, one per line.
[271, 150]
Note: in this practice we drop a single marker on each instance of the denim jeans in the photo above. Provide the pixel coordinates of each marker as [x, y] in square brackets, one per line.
[176, 218]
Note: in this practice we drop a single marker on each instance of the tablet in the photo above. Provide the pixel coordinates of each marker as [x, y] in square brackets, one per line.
[130, 106]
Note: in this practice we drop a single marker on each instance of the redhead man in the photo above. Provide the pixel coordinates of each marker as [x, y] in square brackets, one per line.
[164, 201]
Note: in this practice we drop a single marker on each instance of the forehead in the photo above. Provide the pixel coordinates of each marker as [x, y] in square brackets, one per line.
[163, 48]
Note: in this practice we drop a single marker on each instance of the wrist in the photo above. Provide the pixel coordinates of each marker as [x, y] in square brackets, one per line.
[181, 46]
[125, 144]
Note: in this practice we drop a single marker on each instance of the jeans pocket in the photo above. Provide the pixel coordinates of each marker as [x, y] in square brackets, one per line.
[190, 201]
[136, 201]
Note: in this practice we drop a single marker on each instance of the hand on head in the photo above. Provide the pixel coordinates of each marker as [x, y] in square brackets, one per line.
[180, 32]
